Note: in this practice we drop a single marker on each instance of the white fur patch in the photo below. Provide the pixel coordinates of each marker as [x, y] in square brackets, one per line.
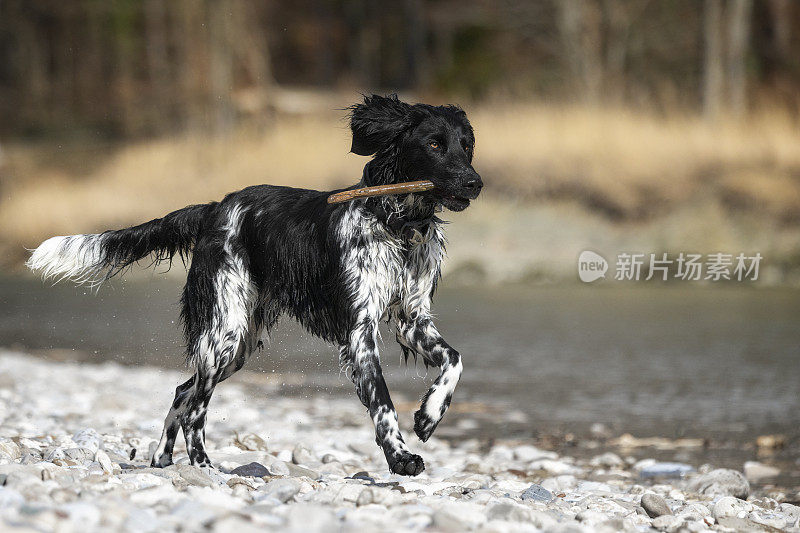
[235, 300]
[75, 257]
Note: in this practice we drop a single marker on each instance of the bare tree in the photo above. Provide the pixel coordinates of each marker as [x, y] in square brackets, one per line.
[579, 23]
[157, 60]
[739, 15]
[221, 63]
[713, 63]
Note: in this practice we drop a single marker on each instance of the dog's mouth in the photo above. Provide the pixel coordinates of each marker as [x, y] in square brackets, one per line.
[455, 203]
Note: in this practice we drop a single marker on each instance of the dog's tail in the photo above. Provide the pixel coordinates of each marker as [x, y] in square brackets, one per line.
[95, 257]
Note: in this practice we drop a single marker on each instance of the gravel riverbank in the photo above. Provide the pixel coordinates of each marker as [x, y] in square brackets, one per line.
[75, 443]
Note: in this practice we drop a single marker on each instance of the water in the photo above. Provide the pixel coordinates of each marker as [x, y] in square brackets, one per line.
[676, 361]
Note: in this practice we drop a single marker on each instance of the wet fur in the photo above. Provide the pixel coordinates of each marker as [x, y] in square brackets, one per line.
[339, 270]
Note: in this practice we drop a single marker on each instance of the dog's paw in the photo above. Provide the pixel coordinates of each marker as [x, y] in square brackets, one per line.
[424, 425]
[161, 462]
[407, 464]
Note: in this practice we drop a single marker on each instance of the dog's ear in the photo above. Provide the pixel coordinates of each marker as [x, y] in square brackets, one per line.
[378, 122]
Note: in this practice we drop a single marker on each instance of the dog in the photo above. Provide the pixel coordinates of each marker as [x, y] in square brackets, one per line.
[338, 269]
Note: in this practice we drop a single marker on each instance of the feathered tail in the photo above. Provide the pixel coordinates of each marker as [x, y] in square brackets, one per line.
[95, 257]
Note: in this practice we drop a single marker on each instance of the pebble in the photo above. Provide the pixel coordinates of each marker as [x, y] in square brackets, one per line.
[527, 453]
[509, 512]
[323, 473]
[193, 475]
[730, 506]
[537, 493]
[755, 471]
[665, 470]
[279, 468]
[299, 471]
[281, 489]
[654, 505]
[608, 460]
[301, 455]
[665, 522]
[721, 482]
[251, 470]
[9, 450]
[104, 460]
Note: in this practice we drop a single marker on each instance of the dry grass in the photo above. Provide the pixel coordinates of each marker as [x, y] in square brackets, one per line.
[622, 167]
[634, 166]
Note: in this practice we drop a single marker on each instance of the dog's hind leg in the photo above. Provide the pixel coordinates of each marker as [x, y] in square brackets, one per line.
[163, 454]
[227, 353]
[422, 337]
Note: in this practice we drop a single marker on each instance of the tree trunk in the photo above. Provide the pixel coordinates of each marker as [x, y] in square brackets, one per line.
[739, 17]
[220, 65]
[713, 64]
[579, 24]
[157, 62]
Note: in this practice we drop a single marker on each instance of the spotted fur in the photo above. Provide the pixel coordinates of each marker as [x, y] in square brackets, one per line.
[339, 270]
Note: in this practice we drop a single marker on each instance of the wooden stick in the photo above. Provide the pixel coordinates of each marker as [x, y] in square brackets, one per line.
[381, 190]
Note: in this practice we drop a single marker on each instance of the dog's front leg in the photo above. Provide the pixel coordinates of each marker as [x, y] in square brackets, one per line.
[374, 394]
[421, 336]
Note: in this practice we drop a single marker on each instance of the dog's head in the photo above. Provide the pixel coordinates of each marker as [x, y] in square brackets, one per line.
[418, 142]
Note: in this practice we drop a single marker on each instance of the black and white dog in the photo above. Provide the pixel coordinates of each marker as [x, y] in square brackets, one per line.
[338, 269]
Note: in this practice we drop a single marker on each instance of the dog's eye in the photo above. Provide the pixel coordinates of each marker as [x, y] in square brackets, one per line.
[434, 145]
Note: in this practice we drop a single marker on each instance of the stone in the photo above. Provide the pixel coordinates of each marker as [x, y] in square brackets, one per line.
[509, 512]
[10, 498]
[607, 460]
[140, 481]
[144, 520]
[694, 511]
[193, 475]
[251, 470]
[363, 476]
[458, 517]
[591, 517]
[665, 522]
[527, 453]
[730, 506]
[537, 493]
[665, 470]
[282, 490]
[553, 466]
[306, 517]
[560, 483]
[80, 455]
[348, 494]
[299, 471]
[105, 461]
[616, 525]
[279, 468]
[792, 513]
[769, 520]
[743, 524]
[654, 505]
[721, 482]
[250, 442]
[89, 439]
[9, 450]
[54, 454]
[755, 471]
[301, 455]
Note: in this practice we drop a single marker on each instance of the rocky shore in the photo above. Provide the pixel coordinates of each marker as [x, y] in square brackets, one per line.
[75, 442]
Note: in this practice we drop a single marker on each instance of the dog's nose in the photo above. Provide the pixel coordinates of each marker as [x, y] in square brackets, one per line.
[474, 185]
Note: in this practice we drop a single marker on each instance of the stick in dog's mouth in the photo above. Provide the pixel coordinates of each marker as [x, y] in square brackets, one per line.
[381, 190]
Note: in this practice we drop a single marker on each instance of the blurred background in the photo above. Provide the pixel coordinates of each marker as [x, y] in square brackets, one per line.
[610, 125]
[615, 124]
